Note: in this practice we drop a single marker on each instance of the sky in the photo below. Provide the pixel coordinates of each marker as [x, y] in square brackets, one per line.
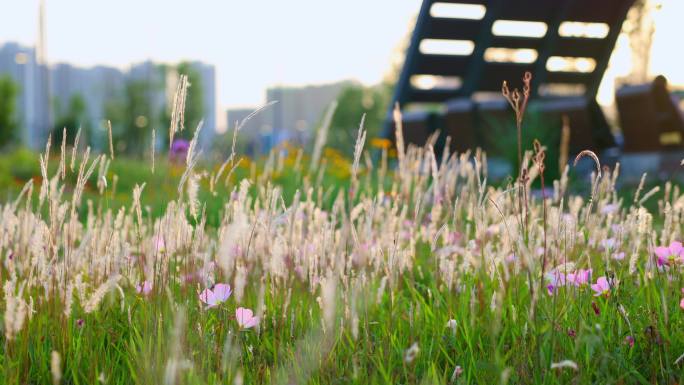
[255, 44]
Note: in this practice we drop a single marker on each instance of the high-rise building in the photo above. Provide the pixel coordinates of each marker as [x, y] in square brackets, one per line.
[154, 77]
[96, 86]
[260, 123]
[294, 115]
[41, 88]
[161, 83]
[207, 74]
[21, 65]
[299, 109]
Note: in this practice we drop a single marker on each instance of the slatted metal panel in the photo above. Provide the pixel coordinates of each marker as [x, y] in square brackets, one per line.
[478, 74]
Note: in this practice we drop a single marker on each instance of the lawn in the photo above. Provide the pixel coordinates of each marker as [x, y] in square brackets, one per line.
[356, 272]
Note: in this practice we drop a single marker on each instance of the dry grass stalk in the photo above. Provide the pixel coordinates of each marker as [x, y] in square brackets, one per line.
[111, 141]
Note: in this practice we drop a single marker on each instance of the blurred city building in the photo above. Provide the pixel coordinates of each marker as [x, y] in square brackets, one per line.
[207, 75]
[299, 109]
[95, 86]
[24, 68]
[294, 116]
[43, 89]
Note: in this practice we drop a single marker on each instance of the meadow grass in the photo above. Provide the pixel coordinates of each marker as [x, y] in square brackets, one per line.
[357, 273]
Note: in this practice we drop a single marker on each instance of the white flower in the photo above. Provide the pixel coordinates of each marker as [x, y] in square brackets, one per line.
[451, 324]
[564, 364]
[411, 353]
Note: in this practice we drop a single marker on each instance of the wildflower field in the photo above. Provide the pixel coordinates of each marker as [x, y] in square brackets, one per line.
[414, 271]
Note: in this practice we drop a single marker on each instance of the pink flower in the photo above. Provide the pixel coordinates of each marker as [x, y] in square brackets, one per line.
[245, 318]
[579, 277]
[681, 303]
[144, 288]
[458, 371]
[601, 287]
[583, 277]
[551, 289]
[556, 279]
[454, 237]
[619, 256]
[670, 255]
[629, 340]
[216, 296]
[511, 258]
[609, 208]
[159, 244]
[608, 244]
[595, 307]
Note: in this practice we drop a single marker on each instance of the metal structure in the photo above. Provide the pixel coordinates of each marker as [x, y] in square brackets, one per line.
[651, 118]
[563, 39]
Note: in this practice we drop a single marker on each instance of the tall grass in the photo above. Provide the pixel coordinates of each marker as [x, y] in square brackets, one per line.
[419, 274]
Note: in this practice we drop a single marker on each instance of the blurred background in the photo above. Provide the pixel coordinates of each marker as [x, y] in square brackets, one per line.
[79, 63]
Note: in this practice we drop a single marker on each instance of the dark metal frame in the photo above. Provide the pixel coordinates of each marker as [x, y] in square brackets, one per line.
[472, 80]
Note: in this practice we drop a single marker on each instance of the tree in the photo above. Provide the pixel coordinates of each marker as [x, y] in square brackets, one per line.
[194, 102]
[74, 117]
[132, 116]
[353, 102]
[8, 122]
[640, 28]
[144, 105]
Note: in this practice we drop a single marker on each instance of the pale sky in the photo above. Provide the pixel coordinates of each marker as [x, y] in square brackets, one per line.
[259, 43]
[253, 43]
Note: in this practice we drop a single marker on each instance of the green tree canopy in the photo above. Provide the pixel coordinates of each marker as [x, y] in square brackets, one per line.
[133, 116]
[145, 104]
[8, 120]
[73, 117]
[194, 102]
[353, 102]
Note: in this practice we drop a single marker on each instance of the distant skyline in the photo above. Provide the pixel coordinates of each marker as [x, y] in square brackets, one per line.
[253, 44]
[257, 44]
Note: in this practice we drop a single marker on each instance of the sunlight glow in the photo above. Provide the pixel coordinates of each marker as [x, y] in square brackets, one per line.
[510, 55]
[570, 64]
[458, 11]
[519, 28]
[446, 47]
[428, 82]
[587, 30]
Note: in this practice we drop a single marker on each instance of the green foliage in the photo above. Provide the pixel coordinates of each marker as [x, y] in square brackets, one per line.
[133, 116]
[8, 122]
[131, 338]
[502, 139]
[73, 117]
[353, 102]
[493, 324]
[194, 103]
[145, 105]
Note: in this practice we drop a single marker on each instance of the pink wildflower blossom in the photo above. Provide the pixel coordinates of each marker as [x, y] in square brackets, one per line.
[215, 296]
[629, 340]
[144, 288]
[601, 287]
[670, 255]
[245, 318]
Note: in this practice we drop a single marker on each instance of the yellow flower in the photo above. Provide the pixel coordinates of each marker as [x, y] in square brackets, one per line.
[381, 143]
